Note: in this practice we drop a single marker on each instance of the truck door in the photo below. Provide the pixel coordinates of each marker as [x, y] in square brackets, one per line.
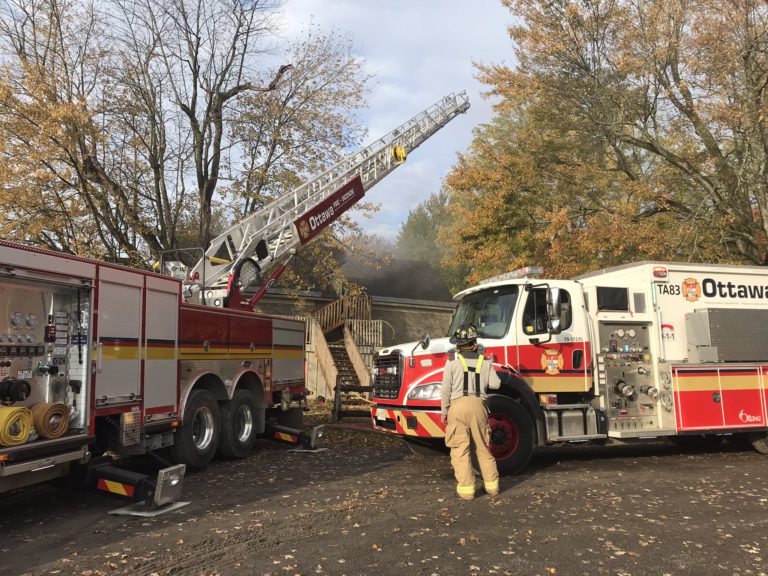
[118, 326]
[560, 362]
[160, 342]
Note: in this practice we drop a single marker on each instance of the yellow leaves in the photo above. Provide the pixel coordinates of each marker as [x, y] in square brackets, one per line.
[468, 540]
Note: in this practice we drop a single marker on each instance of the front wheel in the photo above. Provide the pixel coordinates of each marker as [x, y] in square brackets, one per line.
[238, 425]
[196, 440]
[512, 434]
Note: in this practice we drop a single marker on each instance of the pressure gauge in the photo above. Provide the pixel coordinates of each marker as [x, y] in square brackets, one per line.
[620, 333]
[32, 320]
[631, 332]
[17, 319]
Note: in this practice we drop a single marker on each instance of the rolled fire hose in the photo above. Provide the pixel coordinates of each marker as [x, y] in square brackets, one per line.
[51, 420]
[15, 425]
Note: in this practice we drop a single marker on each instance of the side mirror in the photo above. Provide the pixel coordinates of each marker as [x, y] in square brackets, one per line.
[554, 309]
[424, 343]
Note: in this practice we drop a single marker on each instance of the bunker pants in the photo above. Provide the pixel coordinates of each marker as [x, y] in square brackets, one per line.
[467, 431]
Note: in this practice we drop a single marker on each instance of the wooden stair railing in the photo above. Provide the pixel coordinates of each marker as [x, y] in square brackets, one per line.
[362, 370]
[334, 314]
[324, 357]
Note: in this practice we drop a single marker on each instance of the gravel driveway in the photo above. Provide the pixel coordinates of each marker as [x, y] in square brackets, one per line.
[367, 506]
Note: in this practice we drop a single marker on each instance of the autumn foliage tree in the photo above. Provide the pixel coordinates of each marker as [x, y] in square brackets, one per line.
[626, 130]
[124, 124]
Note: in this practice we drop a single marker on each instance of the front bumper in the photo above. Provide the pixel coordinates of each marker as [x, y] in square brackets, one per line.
[418, 423]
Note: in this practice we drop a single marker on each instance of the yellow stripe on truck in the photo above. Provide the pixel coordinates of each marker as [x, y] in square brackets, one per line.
[429, 424]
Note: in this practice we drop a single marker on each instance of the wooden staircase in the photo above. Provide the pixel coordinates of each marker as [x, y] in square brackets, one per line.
[343, 362]
[349, 394]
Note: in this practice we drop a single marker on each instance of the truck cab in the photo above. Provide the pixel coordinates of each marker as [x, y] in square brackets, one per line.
[536, 333]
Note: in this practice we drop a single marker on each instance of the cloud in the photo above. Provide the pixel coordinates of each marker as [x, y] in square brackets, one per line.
[418, 53]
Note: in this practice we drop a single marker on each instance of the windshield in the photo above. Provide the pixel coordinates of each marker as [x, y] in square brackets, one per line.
[489, 310]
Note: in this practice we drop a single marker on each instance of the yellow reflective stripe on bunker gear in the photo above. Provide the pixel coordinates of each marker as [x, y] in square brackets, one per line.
[464, 362]
[491, 486]
[476, 371]
[469, 490]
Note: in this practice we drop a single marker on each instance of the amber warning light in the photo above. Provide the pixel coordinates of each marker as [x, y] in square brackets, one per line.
[659, 272]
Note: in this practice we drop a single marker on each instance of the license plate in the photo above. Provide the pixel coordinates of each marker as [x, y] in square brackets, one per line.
[381, 414]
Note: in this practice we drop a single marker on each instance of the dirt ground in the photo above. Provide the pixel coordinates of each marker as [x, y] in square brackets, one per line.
[367, 506]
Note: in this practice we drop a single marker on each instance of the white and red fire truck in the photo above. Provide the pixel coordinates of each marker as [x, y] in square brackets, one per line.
[97, 358]
[643, 350]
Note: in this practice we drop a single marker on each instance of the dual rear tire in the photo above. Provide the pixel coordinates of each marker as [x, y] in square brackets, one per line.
[208, 427]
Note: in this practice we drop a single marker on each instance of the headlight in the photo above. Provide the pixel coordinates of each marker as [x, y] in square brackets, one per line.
[425, 392]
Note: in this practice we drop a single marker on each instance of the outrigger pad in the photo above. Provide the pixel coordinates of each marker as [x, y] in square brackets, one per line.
[164, 497]
[168, 485]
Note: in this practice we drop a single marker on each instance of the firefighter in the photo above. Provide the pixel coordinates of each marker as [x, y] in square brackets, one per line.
[465, 382]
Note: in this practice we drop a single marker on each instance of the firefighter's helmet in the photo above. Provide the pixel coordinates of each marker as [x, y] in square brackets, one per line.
[466, 334]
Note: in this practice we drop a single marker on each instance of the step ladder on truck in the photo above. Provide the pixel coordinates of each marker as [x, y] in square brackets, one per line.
[100, 360]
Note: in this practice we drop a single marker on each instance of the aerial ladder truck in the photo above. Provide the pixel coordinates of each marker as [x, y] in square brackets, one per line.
[97, 358]
[268, 238]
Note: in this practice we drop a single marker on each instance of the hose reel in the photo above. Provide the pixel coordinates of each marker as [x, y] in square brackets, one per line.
[15, 425]
[50, 420]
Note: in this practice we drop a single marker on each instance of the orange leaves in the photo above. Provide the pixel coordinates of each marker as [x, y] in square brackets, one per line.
[619, 137]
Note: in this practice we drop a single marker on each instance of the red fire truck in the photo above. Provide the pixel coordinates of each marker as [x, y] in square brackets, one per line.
[639, 351]
[100, 359]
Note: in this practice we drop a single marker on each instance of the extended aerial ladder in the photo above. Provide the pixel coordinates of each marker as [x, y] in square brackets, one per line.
[269, 237]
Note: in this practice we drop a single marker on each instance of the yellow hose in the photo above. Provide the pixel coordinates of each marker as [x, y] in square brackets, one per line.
[50, 420]
[15, 425]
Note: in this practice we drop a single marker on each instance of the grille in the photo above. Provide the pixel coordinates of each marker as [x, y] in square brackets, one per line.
[387, 375]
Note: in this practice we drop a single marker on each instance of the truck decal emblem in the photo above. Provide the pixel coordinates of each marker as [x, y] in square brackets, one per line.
[304, 229]
[552, 362]
[691, 289]
[748, 418]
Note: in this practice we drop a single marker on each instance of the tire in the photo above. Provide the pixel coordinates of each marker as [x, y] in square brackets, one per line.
[512, 434]
[197, 439]
[238, 425]
[426, 448]
[759, 441]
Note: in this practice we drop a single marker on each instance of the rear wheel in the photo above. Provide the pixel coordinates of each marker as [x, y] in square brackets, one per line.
[196, 440]
[238, 425]
[512, 434]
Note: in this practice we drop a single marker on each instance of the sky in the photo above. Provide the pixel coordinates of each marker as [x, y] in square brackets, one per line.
[418, 51]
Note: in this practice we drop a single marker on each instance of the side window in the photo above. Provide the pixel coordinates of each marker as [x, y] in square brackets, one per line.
[566, 312]
[535, 313]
